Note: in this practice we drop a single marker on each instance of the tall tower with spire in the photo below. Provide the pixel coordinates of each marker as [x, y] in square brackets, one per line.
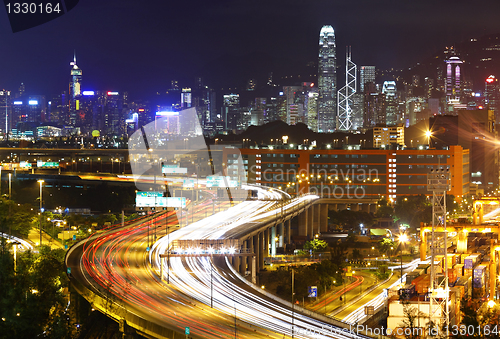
[75, 91]
[327, 81]
[345, 102]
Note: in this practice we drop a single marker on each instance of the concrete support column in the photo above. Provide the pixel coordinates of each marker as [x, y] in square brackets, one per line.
[273, 240]
[282, 234]
[266, 243]
[302, 224]
[335, 207]
[373, 208]
[311, 222]
[251, 250]
[254, 270]
[365, 208]
[261, 250]
[237, 261]
[289, 232]
[354, 207]
[318, 225]
[256, 250]
[243, 265]
[324, 219]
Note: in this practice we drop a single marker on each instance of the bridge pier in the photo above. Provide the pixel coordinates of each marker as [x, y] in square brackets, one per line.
[282, 234]
[324, 218]
[273, 241]
[289, 232]
[256, 251]
[254, 270]
[266, 242]
[251, 260]
[261, 250]
[242, 265]
[303, 223]
[311, 222]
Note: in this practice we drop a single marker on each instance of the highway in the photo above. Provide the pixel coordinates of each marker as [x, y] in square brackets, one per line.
[114, 264]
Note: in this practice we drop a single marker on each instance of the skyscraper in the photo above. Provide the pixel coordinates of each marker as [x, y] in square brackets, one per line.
[492, 96]
[366, 74]
[327, 81]
[5, 111]
[75, 91]
[345, 95]
[453, 83]
[389, 89]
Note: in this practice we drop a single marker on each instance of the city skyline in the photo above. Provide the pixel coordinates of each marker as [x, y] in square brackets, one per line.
[122, 50]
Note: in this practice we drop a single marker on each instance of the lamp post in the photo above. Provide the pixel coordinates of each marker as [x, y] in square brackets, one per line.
[402, 239]
[10, 186]
[15, 244]
[293, 294]
[41, 184]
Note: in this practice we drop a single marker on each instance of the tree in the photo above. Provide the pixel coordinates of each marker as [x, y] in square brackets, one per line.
[31, 301]
[412, 210]
[384, 210]
[412, 321]
[315, 245]
[382, 272]
[385, 245]
[338, 253]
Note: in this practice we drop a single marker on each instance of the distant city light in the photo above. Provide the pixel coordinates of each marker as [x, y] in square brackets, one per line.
[18, 102]
[33, 102]
[89, 93]
[112, 93]
[166, 113]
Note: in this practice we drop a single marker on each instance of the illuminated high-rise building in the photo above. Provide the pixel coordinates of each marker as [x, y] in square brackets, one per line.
[366, 74]
[231, 114]
[186, 98]
[389, 90]
[5, 112]
[453, 82]
[75, 91]
[327, 81]
[492, 96]
[346, 94]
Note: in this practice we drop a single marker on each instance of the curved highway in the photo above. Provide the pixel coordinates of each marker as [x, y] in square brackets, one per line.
[115, 265]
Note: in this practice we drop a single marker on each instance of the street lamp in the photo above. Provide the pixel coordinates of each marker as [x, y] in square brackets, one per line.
[402, 239]
[428, 134]
[15, 244]
[41, 184]
[10, 186]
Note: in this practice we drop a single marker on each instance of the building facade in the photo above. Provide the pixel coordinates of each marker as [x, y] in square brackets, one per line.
[327, 81]
[353, 174]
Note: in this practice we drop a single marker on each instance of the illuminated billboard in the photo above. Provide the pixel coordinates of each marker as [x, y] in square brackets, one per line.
[44, 164]
[221, 181]
[173, 169]
[156, 199]
[24, 164]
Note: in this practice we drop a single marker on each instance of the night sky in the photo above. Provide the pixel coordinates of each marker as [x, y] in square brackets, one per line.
[139, 46]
